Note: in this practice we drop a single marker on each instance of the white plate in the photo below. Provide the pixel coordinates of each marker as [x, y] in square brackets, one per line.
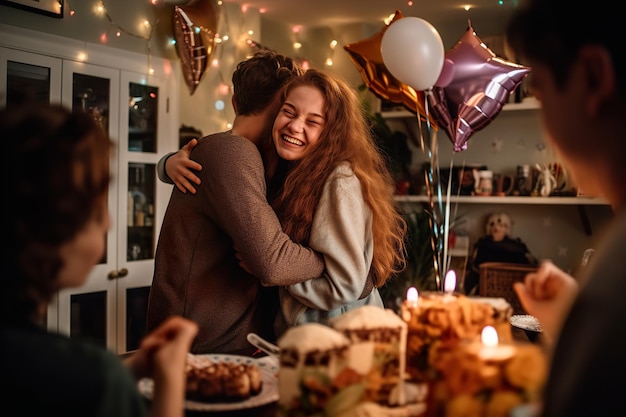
[269, 393]
[526, 322]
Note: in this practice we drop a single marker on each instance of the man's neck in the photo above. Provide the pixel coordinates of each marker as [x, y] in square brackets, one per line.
[251, 127]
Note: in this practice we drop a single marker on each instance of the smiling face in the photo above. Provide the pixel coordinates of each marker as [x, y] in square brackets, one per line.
[299, 123]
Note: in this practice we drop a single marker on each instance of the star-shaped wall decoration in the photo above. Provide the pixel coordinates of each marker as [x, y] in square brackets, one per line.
[496, 145]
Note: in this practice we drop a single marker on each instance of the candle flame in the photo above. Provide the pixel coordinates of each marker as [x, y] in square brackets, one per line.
[449, 284]
[411, 296]
[489, 336]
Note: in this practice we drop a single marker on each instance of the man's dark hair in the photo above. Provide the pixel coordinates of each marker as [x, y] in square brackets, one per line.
[257, 80]
[552, 32]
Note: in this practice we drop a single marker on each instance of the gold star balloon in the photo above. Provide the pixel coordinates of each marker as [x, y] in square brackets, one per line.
[367, 56]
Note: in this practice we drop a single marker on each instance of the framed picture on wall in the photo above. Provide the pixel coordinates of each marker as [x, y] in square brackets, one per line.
[53, 8]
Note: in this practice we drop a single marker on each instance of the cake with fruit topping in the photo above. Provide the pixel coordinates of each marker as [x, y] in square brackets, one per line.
[314, 374]
[377, 350]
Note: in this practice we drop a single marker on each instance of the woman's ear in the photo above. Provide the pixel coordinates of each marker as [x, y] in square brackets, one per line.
[600, 76]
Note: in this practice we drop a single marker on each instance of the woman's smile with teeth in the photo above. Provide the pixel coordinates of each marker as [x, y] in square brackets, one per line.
[292, 140]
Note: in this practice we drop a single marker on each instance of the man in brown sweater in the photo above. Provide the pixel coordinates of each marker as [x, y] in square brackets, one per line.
[197, 273]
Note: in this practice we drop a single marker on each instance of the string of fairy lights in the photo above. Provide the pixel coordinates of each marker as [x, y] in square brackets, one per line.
[146, 27]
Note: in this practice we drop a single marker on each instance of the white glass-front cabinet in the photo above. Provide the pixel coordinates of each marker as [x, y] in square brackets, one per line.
[136, 111]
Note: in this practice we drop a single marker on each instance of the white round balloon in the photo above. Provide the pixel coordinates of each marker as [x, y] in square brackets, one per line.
[413, 52]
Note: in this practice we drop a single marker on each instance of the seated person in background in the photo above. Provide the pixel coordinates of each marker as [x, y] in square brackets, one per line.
[496, 246]
[54, 231]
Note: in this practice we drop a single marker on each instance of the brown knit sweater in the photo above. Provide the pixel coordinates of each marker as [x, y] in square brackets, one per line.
[196, 272]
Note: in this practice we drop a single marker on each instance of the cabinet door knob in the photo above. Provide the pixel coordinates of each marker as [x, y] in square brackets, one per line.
[118, 274]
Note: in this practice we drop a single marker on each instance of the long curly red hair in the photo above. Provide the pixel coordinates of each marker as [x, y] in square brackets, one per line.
[346, 137]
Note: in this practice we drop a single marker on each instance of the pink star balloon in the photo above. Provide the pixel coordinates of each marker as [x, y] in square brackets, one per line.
[480, 86]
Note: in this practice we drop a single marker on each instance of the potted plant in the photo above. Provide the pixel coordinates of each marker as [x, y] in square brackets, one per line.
[419, 271]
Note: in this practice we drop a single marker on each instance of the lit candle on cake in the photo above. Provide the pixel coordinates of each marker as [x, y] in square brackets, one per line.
[495, 376]
[449, 285]
[491, 349]
[411, 297]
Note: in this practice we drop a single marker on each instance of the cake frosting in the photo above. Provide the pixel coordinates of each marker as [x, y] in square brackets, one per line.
[367, 317]
[312, 336]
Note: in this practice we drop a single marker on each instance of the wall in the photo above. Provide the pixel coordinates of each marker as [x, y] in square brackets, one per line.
[199, 109]
[87, 25]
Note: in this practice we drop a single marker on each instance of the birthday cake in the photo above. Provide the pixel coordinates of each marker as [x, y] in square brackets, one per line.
[476, 381]
[438, 321]
[377, 350]
[354, 365]
[314, 376]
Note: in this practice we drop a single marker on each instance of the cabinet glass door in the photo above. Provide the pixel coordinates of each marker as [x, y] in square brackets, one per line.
[141, 130]
[89, 311]
[27, 76]
[143, 117]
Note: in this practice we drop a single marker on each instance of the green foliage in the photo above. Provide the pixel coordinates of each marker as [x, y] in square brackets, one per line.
[419, 272]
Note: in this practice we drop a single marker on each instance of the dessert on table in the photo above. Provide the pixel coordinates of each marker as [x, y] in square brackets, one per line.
[438, 321]
[429, 360]
[216, 381]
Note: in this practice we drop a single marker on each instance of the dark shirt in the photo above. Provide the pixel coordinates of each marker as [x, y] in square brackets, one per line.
[44, 373]
[588, 362]
[509, 250]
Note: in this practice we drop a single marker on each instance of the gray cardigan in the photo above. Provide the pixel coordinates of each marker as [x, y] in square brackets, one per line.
[342, 232]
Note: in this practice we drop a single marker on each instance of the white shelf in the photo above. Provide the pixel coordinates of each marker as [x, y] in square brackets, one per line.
[397, 114]
[527, 104]
[579, 202]
[585, 201]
